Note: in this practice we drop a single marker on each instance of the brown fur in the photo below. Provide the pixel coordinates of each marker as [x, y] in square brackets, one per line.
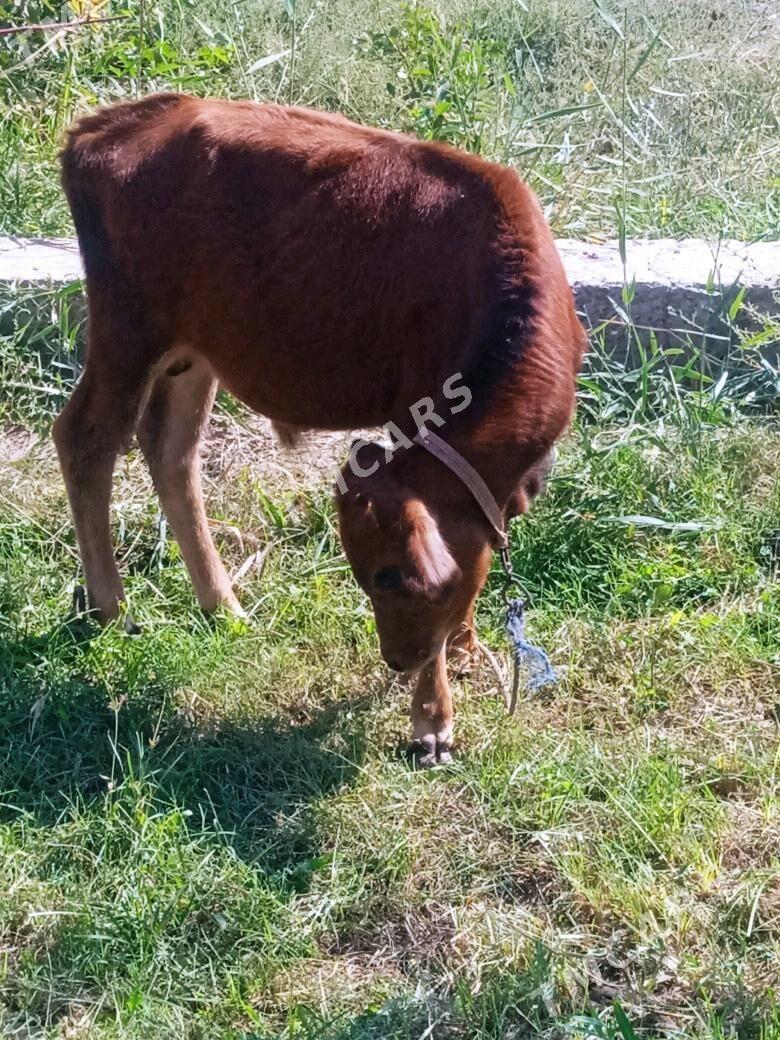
[329, 275]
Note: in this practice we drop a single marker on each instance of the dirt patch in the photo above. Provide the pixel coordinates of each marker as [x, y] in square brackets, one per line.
[233, 443]
[15, 443]
[237, 442]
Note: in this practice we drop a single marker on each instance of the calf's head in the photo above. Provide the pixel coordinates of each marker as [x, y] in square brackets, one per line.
[421, 569]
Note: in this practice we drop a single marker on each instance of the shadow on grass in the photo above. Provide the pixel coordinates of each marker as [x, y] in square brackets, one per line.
[69, 736]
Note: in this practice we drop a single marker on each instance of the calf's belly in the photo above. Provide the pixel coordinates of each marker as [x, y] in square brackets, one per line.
[307, 403]
[340, 380]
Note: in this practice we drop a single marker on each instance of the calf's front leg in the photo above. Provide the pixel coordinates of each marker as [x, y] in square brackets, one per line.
[432, 713]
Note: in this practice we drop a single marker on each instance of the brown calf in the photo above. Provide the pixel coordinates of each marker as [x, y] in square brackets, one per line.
[329, 276]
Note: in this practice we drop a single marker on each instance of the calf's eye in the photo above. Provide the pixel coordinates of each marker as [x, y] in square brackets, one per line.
[389, 579]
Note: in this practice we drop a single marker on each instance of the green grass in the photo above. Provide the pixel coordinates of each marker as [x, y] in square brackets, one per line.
[654, 121]
[212, 831]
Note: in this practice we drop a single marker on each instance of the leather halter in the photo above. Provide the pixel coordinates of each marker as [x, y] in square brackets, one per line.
[536, 661]
[466, 473]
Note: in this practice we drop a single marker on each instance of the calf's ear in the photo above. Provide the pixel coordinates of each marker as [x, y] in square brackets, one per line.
[517, 504]
[430, 557]
[533, 483]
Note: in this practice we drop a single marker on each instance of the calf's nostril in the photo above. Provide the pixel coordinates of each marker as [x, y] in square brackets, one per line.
[394, 666]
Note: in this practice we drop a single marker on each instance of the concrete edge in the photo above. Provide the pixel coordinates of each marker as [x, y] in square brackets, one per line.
[676, 288]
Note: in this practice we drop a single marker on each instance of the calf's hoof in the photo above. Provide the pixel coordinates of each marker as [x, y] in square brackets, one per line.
[430, 751]
[79, 603]
[131, 627]
[227, 602]
[82, 609]
[237, 610]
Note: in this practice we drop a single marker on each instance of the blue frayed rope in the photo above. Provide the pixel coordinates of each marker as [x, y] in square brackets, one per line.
[537, 664]
[539, 671]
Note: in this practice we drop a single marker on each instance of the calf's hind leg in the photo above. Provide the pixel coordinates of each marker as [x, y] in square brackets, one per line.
[169, 432]
[462, 645]
[89, 433]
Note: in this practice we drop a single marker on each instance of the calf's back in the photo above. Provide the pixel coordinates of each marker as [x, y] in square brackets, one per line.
[330, 273]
